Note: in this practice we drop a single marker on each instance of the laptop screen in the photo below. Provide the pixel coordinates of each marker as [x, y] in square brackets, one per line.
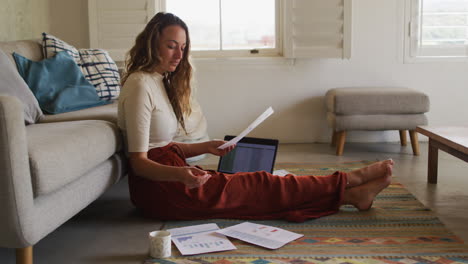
[250, 154]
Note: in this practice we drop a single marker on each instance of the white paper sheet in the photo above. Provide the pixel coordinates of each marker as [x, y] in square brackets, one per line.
[251, 127]
[282, 173]
[199, 239]
[262, 235]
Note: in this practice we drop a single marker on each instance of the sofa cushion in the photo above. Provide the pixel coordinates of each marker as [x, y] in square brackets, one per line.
[96, 64]
[376, 100]
[106, 112]
[12, 84]
[31, 49]
[58, 83]
[61, 152]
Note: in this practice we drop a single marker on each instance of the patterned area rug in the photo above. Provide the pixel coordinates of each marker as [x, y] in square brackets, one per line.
[398, 229]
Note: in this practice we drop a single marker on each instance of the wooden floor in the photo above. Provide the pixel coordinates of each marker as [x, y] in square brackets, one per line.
[110, 230]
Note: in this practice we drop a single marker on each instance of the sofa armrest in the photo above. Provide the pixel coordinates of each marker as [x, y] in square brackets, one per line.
[16, 194]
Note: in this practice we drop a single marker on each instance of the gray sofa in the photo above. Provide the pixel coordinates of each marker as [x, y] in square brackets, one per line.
[52, 169]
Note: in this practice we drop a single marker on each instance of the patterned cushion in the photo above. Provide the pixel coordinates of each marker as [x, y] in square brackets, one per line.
[96, 64]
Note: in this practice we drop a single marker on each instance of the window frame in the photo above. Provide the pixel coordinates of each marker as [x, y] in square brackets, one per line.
[114, 25]
[413, 52]
[272, 52]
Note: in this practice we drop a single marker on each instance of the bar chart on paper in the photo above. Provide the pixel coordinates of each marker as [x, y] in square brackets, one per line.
[190, 242]
[200, 239]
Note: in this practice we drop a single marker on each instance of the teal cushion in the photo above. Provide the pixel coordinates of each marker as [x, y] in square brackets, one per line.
[58, 83]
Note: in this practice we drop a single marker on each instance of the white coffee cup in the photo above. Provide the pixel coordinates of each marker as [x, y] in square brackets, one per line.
[160, 244]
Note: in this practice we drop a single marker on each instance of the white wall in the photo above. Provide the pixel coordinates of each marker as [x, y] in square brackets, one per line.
[23, 19]
[233, 93]
[27, 19]
[69, 21]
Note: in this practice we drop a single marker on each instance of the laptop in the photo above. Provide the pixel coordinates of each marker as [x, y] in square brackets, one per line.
[250, 154]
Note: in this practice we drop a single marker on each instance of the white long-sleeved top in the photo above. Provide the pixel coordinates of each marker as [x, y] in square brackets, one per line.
[145, 114]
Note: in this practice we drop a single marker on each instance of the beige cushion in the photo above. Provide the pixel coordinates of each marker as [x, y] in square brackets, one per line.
[61, 152]
[31, 49]
[376, 100]
[105, 112]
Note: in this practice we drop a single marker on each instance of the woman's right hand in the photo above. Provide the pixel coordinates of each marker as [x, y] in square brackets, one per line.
[193, 177]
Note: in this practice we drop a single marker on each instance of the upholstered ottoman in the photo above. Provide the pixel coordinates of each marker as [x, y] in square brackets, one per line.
[375, 108]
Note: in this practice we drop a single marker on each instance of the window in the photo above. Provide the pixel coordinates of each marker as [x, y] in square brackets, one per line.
[436, 29]
[230, 27]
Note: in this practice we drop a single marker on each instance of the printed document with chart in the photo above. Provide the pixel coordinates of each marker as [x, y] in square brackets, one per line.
[262, 235]
[199, 239]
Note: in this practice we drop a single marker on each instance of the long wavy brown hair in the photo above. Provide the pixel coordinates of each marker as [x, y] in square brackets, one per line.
[144, 56]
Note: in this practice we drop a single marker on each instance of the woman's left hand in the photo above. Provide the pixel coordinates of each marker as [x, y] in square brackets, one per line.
[213, 147]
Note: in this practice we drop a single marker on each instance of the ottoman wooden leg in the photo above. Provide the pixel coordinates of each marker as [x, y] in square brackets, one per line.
[403, 137]
[340, 141]
[414, 142]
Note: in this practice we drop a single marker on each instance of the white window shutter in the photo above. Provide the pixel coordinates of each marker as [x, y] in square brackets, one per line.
[317, 28]
[114, 24]
[414, 27]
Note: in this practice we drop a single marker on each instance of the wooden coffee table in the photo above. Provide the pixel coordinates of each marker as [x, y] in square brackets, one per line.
[453, 140]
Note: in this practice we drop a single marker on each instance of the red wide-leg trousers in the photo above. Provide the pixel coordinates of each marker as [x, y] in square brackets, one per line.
[245, 195]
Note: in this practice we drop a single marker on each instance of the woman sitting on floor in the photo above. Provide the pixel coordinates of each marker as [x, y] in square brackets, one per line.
[154, 100]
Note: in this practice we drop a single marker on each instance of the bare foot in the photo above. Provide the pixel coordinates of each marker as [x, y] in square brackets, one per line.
[369, 173]
[363, 195]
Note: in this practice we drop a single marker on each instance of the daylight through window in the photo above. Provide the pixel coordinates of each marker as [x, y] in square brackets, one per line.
[438, 28]
[444, 22]
[225, 26]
